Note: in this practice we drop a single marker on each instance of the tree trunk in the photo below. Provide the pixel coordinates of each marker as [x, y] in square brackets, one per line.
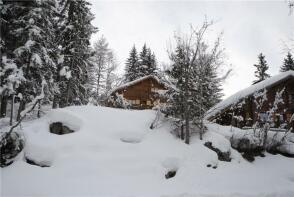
[55, 101]
[186, 107]
[21, 107]
[187, 134]
[201, 130]
[182, 132]
[3, 107]
[201, 111]
[12, 110]
[98, 83]
[39, 109]
[67, 94]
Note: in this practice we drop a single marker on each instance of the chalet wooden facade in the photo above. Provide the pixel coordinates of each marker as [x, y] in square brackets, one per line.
[254, 103]
[142, 93]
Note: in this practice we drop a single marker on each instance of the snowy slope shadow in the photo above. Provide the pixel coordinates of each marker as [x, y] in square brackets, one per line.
[37, 163]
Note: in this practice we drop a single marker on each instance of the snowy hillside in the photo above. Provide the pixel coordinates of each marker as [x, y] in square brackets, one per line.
[114, 153]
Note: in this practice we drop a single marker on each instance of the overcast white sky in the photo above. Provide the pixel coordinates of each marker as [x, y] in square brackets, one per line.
[249, 28]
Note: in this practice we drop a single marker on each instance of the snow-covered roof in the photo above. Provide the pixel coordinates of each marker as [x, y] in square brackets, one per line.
[235, 98]
[131, 83]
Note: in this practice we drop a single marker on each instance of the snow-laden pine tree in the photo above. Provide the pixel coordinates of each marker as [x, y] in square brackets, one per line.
[37, 55]
[152, 66]
[147, 62]
[288, 63]
[195, 86]
[261, 69]
[143, 62]
[29, 36]
[76, 31]
[175, 93]
[141, 65]
[132, 65]
[10, 79]
[9, 13]
[210, 83]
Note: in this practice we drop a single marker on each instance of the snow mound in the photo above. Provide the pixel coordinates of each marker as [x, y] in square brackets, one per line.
[229, 132]
[287, 148]
[41, 155]
[66, 117]
[171, 163]
[210, 157]
[94, 160]
[218, 141]
[131, 137]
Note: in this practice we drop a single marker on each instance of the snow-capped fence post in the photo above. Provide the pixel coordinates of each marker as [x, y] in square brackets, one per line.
[266, 128]
[156, 120]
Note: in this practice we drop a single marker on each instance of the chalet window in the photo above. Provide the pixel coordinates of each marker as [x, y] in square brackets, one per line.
[154, 89]
[288, 116]
[137, 102]
[247, 116]
[148, 102]
[278, 117]
[291, 98]
[281, 118]
[263, 116]
[156, 102]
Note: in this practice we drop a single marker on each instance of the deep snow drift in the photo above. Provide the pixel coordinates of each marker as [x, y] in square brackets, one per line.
[114, 153]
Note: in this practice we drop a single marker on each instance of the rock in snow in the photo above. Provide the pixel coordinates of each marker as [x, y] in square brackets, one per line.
[39, 155]
[11, 144]
[222, 156]
[67, 118]
[219, 144]
[59, 129]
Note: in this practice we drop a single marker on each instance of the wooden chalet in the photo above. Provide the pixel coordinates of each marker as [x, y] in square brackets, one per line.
[244, 108]
[142, 93]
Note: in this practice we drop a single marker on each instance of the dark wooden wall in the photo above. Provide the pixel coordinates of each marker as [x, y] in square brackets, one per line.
[250, 113]
[143, 92]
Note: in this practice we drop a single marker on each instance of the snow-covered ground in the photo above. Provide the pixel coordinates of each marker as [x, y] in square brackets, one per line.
[114, 153]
